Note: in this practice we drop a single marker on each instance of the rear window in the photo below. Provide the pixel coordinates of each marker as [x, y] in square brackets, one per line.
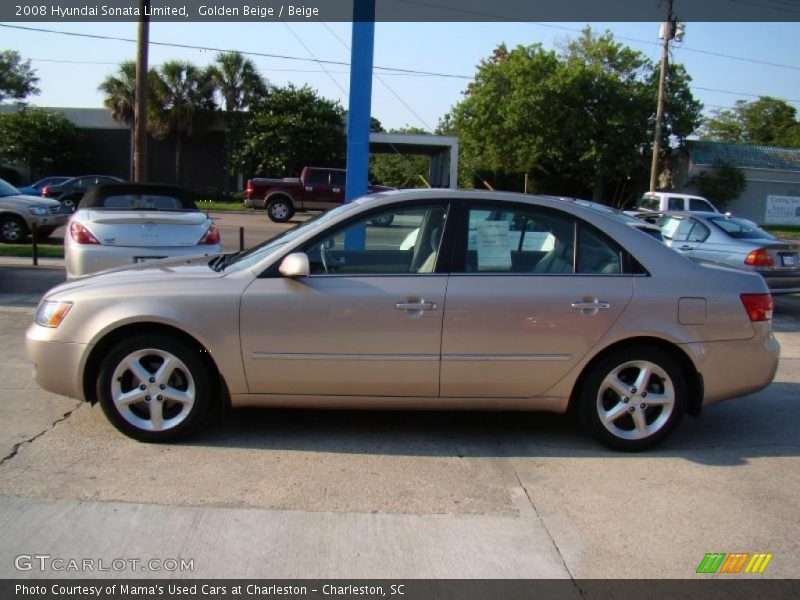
[741, 229]
[143, 202]
[649, 202]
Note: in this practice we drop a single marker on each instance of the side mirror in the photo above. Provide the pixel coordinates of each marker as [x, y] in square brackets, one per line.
[295, 265]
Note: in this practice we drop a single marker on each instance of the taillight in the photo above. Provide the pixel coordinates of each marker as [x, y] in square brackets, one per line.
[211, 236]
[81, 235]
[758, 306]
[44, 191]
[248, 192]
[759, 258]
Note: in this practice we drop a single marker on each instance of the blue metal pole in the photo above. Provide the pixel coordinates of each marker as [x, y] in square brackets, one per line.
[361, 55]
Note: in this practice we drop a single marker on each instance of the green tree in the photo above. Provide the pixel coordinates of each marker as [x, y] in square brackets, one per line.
[400, 170]
[722, 185]
[183, 102]
[45, 141]
[238, 84]
[576, 121]
[17, 79]
[769, 121]
[290, 128]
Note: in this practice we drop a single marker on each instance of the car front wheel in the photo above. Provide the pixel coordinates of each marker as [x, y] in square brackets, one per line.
[154, 388]
[633, 398]
[12, 230]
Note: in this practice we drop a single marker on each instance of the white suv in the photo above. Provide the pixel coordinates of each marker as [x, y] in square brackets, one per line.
[664, 201]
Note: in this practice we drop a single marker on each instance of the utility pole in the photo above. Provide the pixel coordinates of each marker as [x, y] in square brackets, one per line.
[666, 33]
[140, 97]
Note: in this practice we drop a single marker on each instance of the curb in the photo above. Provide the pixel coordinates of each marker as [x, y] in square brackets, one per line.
[27, 261]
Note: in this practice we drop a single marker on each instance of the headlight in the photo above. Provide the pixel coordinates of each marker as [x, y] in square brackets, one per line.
[50, 314]
[39, 211]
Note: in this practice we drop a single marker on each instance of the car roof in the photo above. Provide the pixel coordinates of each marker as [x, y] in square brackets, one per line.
[96, 196]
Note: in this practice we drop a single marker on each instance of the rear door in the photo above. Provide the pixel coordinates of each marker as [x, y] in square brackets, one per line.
[523, 308]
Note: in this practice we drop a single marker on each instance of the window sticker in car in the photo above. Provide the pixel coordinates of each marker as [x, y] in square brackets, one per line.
[494, 252]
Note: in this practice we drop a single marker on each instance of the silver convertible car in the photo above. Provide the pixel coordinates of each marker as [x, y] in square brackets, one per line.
[502, 301]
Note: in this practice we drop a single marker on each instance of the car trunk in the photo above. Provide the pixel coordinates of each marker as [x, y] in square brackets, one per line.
[785, 254]
[147, 228]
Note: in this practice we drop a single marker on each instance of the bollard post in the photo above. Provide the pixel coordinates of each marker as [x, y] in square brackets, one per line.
[241, 239]
[35, 246]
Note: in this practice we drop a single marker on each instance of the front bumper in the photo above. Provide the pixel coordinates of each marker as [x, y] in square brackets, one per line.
[57, 365]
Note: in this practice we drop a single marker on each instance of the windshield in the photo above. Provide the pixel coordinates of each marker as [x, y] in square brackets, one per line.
[741, 229]
[243, 260]
[6, 189]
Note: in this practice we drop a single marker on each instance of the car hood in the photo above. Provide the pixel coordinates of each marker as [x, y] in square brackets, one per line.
[166, 270]
[22, 201]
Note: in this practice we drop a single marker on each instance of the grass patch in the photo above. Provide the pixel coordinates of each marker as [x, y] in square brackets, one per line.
[26, 250]
[783, 231]
[220, 205]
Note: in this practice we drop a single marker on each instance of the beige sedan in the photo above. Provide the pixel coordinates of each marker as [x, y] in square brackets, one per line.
[469, 300]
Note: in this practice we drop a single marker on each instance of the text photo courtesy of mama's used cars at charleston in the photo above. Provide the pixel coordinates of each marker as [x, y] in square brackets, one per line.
[468, 300]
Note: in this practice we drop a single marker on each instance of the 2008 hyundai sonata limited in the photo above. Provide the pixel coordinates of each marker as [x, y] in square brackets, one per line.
[469, 300]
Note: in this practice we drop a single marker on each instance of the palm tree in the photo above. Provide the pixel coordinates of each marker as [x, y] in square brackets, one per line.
[183, 100]
[237, 81]
[238, 84]
[120, 92]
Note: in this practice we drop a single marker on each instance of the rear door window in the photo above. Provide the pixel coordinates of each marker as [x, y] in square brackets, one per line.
[675, 203]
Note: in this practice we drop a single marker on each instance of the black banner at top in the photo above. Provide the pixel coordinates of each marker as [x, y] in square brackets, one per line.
[53, 11]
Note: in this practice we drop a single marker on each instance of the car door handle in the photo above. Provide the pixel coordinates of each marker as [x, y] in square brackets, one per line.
[684, 248]
[416, 305]
[336, 190]
[592, 307]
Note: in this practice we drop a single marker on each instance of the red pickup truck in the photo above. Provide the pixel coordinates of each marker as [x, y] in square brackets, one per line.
[315, 189]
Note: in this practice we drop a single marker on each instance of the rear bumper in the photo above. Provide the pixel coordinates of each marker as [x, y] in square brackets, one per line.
[85, 259]
[730, 369]
[782, 282]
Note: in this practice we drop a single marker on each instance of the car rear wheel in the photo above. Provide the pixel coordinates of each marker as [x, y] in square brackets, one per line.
[70, 203]
[154, 388]
[12, 230]
[633, 398]
[280, 209]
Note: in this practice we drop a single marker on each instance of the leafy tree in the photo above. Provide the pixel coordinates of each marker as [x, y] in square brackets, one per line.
[290, 128]
[17, 79]
[724, 184]
[46, 142]
[576, 121]
[183, 101]
[397, 169]
[767, 121]
[238, 84]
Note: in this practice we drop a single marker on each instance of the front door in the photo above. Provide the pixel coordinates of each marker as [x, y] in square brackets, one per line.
[366, 322]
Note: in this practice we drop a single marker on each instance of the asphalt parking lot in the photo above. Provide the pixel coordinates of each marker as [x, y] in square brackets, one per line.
[284, 493]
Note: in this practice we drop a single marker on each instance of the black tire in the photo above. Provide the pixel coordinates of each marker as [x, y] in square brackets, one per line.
[280, 209]
[188, 378]
[641, 418]
[382, 221]
[13, 229]
[70, 203]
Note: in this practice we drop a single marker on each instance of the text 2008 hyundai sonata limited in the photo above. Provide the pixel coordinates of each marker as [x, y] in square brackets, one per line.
[469, 300]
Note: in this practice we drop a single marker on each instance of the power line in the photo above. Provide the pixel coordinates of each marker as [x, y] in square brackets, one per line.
[245, 52]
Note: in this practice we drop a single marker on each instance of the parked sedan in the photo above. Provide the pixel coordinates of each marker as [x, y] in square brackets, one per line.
[21, 214]
[589, 314]
[127, 223]
[734, 242]
[35, 189]
[71, 191]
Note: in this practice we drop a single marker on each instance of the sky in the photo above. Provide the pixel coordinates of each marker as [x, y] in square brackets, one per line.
[70, 68]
